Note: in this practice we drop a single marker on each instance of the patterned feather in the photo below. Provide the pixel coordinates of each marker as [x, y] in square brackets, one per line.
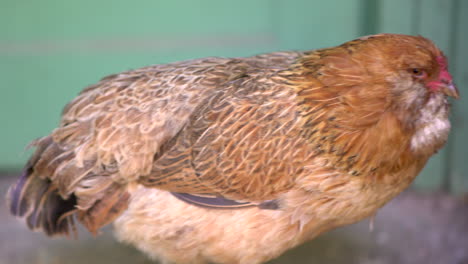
[323, 137]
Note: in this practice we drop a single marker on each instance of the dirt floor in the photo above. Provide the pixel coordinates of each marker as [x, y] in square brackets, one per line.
[413, 228]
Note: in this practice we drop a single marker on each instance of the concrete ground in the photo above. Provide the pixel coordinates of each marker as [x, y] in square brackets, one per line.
[413, 228]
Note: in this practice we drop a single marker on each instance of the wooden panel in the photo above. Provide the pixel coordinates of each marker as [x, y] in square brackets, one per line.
[458, 160]
[369, 17]
[436, 22]
[304, 25]
[396, 16]
[50, 50]
[55, 19]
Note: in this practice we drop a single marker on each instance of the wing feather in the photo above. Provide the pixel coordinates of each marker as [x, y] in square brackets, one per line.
[243, 144]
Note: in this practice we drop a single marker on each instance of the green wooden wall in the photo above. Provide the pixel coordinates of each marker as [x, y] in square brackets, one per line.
[51, 49]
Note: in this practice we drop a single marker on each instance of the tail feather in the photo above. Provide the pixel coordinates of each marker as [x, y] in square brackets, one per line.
[52, 192]
[37, 200]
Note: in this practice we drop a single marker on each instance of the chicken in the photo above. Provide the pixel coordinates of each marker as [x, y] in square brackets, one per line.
[238, 160]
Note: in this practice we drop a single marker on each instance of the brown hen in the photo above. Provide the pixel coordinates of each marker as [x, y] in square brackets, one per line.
[237, 160]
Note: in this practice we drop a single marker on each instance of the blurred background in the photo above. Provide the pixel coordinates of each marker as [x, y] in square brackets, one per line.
[51, 49]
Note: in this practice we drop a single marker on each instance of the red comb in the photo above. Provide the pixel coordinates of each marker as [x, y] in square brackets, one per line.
[444, 74]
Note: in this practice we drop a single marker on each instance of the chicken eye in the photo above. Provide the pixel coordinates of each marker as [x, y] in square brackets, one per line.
[417, 72]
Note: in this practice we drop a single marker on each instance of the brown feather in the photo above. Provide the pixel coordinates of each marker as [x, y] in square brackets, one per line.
[323, 137]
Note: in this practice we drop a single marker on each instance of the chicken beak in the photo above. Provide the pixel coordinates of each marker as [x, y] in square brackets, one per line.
[450, 89]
